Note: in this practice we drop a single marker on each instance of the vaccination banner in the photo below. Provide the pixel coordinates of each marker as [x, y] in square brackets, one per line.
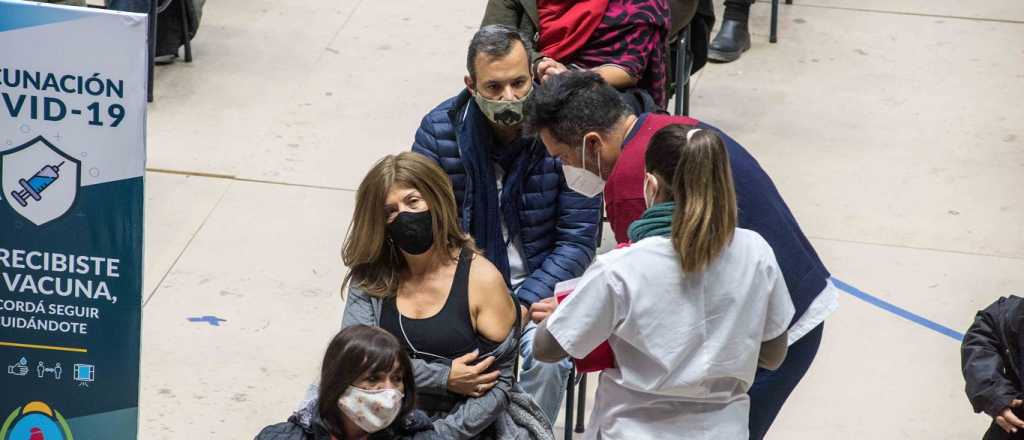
[72, 158]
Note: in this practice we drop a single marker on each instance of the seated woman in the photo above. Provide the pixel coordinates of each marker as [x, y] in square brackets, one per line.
[414, 273]
[366, 387]
[687, 308]
[624, 41]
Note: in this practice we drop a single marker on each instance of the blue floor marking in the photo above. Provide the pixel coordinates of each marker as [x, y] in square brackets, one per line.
[896, 310]
[212, 320]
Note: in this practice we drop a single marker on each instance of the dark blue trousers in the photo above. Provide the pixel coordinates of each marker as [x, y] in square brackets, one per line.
[772, 388]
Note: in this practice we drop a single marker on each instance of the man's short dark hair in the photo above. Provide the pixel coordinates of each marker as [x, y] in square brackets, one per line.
[494, 40]
[572, 104]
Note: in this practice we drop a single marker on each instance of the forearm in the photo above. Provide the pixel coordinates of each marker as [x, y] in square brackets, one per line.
[476, 414]
[545, 347]
[431, 378]
[615, 76]
[579, 220]
[568, 260]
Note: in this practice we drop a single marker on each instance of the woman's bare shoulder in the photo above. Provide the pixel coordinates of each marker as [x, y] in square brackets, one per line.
[484, 277]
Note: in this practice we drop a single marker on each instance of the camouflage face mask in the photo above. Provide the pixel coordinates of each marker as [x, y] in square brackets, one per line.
[507, 113]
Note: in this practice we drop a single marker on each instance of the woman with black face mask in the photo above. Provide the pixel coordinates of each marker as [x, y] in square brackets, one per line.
[414, 273]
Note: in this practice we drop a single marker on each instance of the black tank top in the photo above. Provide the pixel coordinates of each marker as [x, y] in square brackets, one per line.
[446, 335]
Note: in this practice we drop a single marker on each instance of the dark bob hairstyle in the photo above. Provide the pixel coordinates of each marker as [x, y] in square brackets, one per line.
[356, 352]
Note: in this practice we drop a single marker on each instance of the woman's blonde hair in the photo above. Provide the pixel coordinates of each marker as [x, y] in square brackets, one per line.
[692, 166]
[374, 261]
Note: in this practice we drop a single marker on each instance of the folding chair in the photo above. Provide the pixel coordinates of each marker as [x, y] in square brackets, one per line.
[682, 73]
[575, 407]
[773, 37]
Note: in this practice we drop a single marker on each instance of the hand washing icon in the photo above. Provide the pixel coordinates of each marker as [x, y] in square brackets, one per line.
[19, 368]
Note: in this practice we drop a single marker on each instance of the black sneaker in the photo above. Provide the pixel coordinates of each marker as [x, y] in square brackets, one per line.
[732, 40]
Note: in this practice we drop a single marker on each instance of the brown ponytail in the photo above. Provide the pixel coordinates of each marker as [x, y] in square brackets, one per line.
[705, 215]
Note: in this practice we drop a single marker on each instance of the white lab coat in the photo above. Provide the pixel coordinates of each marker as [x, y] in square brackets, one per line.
[686, 345]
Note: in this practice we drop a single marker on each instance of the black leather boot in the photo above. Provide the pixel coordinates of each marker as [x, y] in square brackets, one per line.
[732, 40]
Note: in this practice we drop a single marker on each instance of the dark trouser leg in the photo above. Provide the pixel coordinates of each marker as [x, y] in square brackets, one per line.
[700, 38]
[169, 30]
[772, 388]
[737, 10]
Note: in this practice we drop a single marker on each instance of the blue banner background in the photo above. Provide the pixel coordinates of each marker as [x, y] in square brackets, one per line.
[106, 221]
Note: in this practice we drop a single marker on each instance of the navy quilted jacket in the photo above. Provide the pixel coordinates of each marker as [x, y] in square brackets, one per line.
[558, 227]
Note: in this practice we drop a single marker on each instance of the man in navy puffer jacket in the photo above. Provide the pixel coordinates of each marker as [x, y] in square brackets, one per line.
[511, 193]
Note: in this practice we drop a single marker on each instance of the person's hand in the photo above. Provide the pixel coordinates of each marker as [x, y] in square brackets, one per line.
[470, 380]
[1008, 420]
[524, 316]
[547, 68]
[540, 310]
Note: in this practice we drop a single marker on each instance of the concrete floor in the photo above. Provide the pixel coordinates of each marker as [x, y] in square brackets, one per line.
[891, 127]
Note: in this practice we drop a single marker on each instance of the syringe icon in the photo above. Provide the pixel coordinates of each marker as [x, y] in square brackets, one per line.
[36, 184]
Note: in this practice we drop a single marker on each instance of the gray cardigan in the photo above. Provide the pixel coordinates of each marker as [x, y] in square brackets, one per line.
[511, 412]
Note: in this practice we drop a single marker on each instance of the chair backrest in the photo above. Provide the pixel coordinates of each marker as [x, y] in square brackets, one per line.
[682, 12]
[518, 326]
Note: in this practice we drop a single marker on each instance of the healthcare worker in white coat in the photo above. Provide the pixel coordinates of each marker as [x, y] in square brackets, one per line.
[690, 309]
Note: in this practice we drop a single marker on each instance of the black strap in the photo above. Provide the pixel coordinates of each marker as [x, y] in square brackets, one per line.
[462, 270]
[517, 339]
